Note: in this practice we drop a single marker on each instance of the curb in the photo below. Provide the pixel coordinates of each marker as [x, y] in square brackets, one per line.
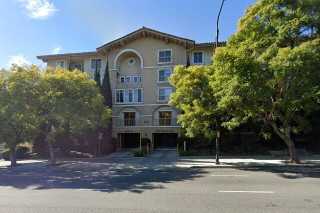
[252, 166]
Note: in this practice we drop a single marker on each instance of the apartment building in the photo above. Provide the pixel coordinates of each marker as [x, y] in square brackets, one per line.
[139, 66]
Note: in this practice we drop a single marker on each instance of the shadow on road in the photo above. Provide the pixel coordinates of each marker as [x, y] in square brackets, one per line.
[287, 172]
[98, 177]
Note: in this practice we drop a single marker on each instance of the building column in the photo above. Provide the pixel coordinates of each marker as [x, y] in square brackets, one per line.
[120, 141]
[140, 140]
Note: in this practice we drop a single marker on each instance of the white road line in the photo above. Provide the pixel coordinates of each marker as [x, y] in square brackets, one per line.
[254, 192]
[229, 175]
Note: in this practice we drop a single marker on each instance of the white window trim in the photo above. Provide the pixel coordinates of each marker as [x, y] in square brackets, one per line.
[158, 76]
[159, 94]
[95, 59]
[64, 64]
[133, 96]
[158, 56]
[115, 96]
[202, 57]
[131, 79]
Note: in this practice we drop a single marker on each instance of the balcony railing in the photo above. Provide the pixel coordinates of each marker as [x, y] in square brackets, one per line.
[129, 122]
[167, 122]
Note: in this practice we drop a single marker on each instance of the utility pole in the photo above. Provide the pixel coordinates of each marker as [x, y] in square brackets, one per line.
[218, 128]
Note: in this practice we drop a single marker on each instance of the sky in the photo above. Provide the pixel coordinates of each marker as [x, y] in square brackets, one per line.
[35, 27]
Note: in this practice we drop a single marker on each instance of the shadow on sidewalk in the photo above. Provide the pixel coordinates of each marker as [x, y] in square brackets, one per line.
[91, 176]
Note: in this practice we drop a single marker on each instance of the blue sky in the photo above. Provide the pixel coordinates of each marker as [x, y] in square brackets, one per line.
[34, 27]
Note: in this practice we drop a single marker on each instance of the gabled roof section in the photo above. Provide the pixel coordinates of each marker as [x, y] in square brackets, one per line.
[210, 44]
[45, 58]
[146, 32]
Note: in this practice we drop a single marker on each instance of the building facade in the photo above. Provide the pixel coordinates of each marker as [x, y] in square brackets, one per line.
[139, 66]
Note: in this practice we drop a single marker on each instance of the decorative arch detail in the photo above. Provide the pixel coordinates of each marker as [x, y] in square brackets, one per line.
[125, 51]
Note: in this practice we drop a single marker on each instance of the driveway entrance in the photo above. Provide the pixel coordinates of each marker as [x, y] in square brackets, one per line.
[165, 140]
[129, 140]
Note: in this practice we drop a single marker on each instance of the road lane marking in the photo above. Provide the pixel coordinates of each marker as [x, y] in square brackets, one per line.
[254, 192]
[229, 175]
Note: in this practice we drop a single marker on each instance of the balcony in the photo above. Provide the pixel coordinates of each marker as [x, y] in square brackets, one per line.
[129, 122]
[162, 122]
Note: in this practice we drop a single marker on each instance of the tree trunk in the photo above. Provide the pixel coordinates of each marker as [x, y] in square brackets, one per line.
[52, 159]
[286, 137]
[13, 157]
[292, 150]
[218, 148]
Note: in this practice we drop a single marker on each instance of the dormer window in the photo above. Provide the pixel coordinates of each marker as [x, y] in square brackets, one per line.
[164, 56]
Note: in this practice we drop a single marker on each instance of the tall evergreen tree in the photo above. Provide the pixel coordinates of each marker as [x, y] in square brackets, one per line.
[106, 87]
[107, 94]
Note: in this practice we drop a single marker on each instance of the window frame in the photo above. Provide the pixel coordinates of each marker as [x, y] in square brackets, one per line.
[161, 69]
[166, 62]
[58, 65]
[164, 121]
[166, 100]
[131, 121]
[96, 59]
[123, 96]
[193, 58]
[131, 79]
[126, 95]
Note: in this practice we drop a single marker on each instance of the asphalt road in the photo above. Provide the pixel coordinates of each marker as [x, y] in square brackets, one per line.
[99, 187]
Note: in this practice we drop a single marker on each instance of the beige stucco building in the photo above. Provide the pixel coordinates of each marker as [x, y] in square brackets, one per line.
[139, 65]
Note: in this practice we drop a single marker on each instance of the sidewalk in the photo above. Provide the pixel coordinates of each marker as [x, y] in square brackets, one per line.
[246, 161]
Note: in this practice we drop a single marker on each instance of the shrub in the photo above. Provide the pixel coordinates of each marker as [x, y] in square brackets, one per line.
[140, 152]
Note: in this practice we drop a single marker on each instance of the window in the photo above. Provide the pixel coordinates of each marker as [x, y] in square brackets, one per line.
[165, 118]
[60, 64]
[76, 67]
[129, 118]
[198, 57]
[164, 93]
[138, 95]
[120, 96]
[164, 56]
[96, 65]
[129, 95]
[131, 79]
[164, 74]
[131, 61]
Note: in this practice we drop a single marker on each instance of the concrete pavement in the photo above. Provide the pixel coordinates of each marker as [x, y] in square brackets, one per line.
[120, 183]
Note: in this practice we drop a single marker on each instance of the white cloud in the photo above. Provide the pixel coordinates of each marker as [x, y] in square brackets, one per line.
[56, 50]
[19, 60]
[39, 9]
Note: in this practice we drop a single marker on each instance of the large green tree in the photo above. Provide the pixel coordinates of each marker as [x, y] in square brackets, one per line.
[195, 98]
[69, 100]
[269, 69]
[18, 116]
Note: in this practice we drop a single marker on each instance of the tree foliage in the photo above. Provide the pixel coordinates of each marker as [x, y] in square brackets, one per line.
[54, 101]
[269, 69]
[18, 116]
[195, 98]
[70, 101]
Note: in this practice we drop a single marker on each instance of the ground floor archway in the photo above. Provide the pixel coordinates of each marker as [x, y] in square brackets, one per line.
[165, 140]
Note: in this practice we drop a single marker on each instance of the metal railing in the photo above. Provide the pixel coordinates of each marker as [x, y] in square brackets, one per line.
[120, 122]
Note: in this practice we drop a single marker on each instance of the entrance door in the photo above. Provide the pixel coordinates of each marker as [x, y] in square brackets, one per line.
[165, 140]
[130, 140]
